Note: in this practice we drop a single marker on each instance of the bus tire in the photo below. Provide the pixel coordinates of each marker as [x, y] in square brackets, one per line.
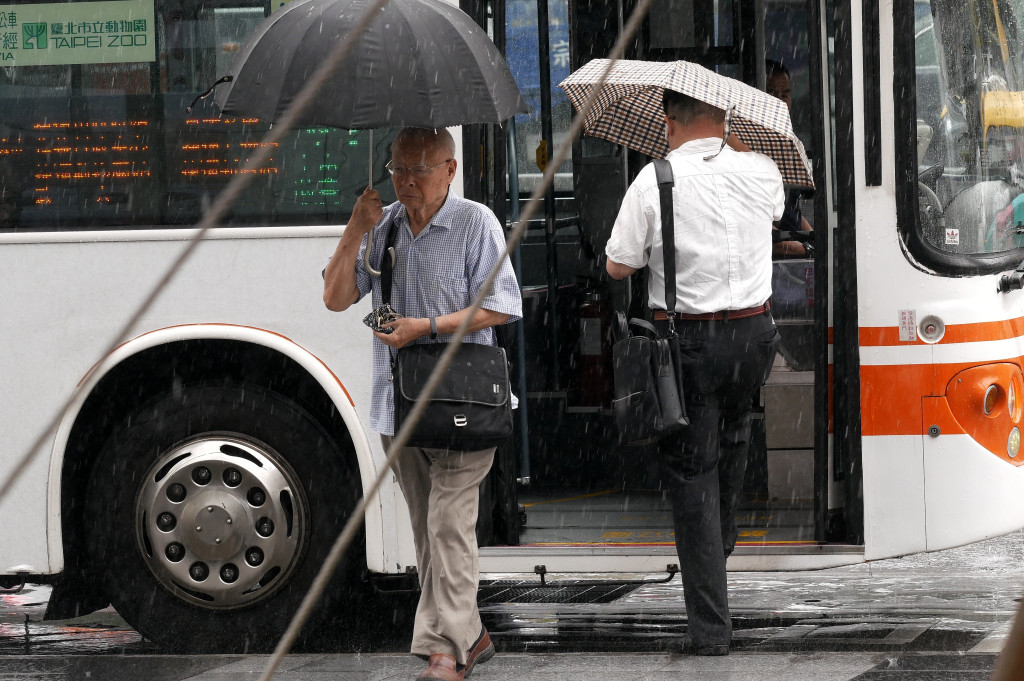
[211, 510]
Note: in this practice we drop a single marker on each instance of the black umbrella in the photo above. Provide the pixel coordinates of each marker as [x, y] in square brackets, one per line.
[422, 63]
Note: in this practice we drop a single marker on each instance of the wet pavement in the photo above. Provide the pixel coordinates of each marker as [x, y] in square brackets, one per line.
[941, 616]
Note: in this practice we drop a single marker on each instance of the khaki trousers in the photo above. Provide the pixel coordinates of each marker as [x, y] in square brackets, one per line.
[442, 490]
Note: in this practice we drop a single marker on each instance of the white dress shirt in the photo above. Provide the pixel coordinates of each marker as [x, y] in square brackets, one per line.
[724, 209]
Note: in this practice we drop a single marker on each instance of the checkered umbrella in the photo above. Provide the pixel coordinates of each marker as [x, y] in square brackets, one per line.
[628, 109]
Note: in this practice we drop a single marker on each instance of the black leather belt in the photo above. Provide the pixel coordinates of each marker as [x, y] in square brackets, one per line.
[724, 315]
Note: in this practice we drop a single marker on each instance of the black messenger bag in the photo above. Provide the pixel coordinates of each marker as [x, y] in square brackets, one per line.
[648, 398]
[472, 406]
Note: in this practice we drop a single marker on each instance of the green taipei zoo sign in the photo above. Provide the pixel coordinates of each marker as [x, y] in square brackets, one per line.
[77, 33]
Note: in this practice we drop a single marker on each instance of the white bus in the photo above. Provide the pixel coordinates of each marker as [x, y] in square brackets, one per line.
[200, 479]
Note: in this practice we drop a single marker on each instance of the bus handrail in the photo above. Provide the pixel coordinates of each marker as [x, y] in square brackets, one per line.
[570, 221]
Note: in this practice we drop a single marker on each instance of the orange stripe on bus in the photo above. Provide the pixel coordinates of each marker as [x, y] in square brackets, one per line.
[910, 399]
[875, 336]
[891, 397]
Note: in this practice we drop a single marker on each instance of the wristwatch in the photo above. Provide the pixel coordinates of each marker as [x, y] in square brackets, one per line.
[433, 328]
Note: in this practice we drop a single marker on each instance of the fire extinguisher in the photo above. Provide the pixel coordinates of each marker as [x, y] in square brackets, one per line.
[595, 350]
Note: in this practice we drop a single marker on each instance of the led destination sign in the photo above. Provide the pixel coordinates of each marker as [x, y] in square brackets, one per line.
[77, 33]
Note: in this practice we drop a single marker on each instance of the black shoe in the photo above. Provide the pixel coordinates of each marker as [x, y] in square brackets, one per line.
[687, 647]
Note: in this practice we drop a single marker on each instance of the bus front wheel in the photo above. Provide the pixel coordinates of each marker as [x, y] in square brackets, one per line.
[211, 511]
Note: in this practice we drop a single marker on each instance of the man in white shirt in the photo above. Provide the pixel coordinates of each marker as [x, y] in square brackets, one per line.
[724, 203]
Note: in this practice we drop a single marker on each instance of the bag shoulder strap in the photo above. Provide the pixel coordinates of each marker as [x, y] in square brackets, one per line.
[645, 325]
[387, 265]
[663, 172]
[621, 328]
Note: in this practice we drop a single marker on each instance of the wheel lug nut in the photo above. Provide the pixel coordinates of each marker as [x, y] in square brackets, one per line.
[254, 556]
[209, 509]
[166, 521]
[256, 496]
[229, 573]
[264, 527]
[176, 492]
[174, 552]
[217, 540]
[198, 571]
[232, 477]
[199, 528]
[201, 475]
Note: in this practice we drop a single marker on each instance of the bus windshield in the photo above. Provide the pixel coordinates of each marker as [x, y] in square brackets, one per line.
[970, 125]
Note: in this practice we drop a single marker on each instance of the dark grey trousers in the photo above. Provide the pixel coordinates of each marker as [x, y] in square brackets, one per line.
[723, 364]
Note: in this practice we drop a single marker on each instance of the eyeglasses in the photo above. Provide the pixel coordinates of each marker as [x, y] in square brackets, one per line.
[415, 171]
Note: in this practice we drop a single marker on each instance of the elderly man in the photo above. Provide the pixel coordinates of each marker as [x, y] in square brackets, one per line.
[723, 203]
[446, 246]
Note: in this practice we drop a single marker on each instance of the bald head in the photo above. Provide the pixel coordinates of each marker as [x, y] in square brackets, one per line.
[426, 139]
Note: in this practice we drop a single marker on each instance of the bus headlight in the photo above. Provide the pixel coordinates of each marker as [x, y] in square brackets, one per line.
[991, 399]
[987, 402]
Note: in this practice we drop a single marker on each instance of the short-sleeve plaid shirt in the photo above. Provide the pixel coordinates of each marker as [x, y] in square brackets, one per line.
[438, 272]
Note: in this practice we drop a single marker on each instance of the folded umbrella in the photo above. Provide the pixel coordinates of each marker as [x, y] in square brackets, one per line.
[628, 109]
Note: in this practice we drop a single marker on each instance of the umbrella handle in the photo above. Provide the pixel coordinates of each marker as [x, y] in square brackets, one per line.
[366, 256]
[726, 132]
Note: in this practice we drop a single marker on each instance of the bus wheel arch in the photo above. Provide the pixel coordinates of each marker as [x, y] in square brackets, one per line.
[141, 372]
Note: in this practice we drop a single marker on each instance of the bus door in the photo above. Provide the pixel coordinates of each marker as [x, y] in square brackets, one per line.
[577, 486]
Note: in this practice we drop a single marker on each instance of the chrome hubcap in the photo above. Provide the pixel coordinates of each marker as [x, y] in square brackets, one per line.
[221, 521]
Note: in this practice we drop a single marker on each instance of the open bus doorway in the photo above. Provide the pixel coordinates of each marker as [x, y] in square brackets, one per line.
[578, 487]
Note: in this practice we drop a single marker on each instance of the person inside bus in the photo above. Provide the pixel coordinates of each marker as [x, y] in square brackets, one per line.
[441, 487]
[778, 85]
[726, 333]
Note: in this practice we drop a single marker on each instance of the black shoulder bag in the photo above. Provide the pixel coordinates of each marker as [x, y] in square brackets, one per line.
[648, 399]
[471, 408]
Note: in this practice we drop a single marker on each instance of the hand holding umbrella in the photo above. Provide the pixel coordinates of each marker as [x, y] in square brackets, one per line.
[367, 212]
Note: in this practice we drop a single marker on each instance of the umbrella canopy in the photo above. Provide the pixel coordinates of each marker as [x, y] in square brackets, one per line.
[421, 63]
[628, 109]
